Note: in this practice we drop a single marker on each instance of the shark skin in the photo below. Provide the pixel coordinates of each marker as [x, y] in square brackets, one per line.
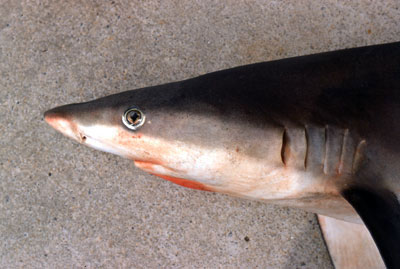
[317, 132]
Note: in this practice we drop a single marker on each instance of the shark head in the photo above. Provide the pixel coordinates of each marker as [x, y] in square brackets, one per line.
[183, 132]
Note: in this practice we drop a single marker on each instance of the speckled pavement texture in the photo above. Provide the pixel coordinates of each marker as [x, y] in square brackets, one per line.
[63, 205]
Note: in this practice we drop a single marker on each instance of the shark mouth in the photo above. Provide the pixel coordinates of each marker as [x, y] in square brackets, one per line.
[162, 172]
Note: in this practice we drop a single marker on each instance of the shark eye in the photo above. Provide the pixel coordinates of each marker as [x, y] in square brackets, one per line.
[133, 118]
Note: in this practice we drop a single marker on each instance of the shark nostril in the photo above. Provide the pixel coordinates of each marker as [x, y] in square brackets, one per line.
[83, 138]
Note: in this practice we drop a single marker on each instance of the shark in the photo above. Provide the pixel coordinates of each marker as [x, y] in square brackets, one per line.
[318, 132]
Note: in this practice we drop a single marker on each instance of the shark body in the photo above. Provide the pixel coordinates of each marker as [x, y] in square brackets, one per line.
[317, 132]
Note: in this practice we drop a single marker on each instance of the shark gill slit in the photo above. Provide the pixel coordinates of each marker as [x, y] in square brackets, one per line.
[358, 156]
[342, 151]
[307, 146]
[324, 163]
[285, 147]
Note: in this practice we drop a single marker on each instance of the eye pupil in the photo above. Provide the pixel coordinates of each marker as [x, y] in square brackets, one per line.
[133, 118]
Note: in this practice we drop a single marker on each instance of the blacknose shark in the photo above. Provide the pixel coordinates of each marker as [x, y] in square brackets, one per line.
[318, 132]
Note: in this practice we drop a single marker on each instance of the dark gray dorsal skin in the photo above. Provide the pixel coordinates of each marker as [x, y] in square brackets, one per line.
[332, 120]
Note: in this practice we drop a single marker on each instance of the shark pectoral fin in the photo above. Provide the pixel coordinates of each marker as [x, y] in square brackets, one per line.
[380, 211]
[350, 245]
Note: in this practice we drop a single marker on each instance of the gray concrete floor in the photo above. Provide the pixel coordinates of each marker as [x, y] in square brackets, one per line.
[65, 205]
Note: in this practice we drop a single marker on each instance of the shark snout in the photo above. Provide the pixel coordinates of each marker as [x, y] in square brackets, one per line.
[62, 121]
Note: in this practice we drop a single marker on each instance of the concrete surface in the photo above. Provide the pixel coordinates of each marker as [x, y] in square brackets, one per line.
[65, 205]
